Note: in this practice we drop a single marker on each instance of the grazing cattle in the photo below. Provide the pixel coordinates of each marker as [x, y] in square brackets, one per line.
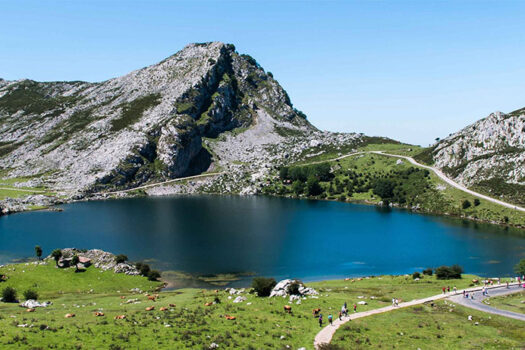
[120, 317]
[216, 291]
[163, 309]
[122, 297]
[475, 281]
[152, 298]
[288, 308]
[30, 310]
[208, 304]
[150, 308]
[69, 315]
[98, 314]
[172, 305]
[228, 317]
[316, 312]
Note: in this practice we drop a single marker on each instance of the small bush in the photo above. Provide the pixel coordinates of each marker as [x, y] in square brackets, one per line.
[466, 204]
[476, 202]
[217, 300]
[263, 286]
[30, 294]
[449, 272]
[143, 268]
[121, 258]
[428, 271]
[293, 288]
[416, 275]
[9, 295]
[153, 275]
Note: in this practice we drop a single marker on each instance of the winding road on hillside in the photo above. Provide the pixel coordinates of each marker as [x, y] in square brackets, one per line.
[326, 334]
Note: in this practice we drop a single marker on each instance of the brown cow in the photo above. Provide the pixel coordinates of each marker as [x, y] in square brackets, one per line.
[163, 309]
[316, 312]
[30, 310]
[98, 314]
[69, 315]
[288, 308]
[122, 297]
[208, 304]
[152, 298]
[228, 317]
[172, 305]
[120, 317]
[150, 308]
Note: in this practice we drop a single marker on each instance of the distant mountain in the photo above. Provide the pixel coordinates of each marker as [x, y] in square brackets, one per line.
[488, 155]
[206, 108]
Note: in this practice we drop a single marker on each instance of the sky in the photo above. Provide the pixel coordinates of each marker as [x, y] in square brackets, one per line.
[408, 70]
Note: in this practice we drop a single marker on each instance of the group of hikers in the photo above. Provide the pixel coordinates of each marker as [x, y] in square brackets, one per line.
[343, 312]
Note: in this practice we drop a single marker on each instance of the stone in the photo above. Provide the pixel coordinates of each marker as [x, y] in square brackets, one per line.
[239, 299]
[31, 304]
[281, 289]
[362, 302]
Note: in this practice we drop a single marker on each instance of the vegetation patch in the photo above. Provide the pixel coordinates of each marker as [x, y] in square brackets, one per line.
[133, 111]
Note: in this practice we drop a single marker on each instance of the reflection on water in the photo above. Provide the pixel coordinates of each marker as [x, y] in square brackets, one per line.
[269, 236]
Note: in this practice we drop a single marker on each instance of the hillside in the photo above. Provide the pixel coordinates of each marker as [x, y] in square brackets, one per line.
[487, 156]
[205, 109]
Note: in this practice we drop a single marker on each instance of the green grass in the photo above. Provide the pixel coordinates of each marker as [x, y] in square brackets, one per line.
[8, 190]
[512, 302]
[258, 325]
[393, 148]
[442, 326]
[133, 111]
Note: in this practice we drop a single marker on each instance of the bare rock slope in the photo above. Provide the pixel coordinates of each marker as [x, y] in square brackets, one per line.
[488, 155]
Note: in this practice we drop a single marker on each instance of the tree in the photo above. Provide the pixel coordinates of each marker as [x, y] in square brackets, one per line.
[297, 187]
[263, 286]
[121, 258]
[56, 254]
[466, 204]
[75, 261]
[312, 186]
[143, 268]
[476, 202]
[384, 188]
[427, 271]
[449, 272]
[153, 275]
[520, 267]
[38, 252]
[9, 295]
[283, 173]
[30, 294]
[293, 288]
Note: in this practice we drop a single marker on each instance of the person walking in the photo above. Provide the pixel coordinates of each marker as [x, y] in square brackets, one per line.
[396, 302]
[464, 293]
[340, 314]
[455, 290]
[393, 302]
[507, 284]
[355, 307]
[444, 290]
[320, 320]
[330, 319]
[448, 289]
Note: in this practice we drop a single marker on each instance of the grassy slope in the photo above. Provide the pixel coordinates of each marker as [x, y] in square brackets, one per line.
[444, 326]
[446, 200]
[191, 324]
[512, 302]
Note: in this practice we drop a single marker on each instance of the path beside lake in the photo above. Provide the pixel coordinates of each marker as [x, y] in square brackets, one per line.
[326, 334]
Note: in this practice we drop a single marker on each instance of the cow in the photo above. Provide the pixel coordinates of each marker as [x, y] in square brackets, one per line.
[288, 308]
[172, 305]
[152, 298]
[30, 310]
[120, 317]
[150, 308]
[228, 317]
[69, 315]
[316, 312]
[208, 304]
[163, 309]
[98, 314]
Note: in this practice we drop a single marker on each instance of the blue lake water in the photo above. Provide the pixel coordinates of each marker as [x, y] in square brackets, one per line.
[267, 236]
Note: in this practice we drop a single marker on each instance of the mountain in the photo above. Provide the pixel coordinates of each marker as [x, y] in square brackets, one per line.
[205, 109]
[488, 156]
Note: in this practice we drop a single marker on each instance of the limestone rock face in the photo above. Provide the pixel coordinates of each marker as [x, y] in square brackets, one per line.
[281, 289]
[488, 155]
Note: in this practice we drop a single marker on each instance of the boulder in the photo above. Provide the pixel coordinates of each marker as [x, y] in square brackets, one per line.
[281, 289]
[239, 299]
[31, 304]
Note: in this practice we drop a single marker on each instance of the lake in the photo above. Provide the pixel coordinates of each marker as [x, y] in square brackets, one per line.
[276, 237]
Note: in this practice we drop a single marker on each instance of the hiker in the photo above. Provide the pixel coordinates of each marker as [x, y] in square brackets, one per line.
[466, 295]
[448, 289]
[340, 314]
[396, 302]
[455, 290]
[463, 293]
[355, 307]
[471, 296]
[393, 302]
[345, 306]
[343, 310]
[444, 290]
[330, 319]
[507, 284]
[320, 320]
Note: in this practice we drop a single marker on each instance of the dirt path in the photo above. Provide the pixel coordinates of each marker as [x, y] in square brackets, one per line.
[21, 190]
[326, 334]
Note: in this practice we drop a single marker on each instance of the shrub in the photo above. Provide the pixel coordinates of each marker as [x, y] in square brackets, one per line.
[153, 275]
[75, 260]
[476, 202]
[121, 258]
[56, 254]
[143, 268]
[520, 267]
[217, 300]
[428, 271]
[293, 288]
[38, 252]
[9, 295]
[30, 294]
[312, 186]
[449, 272]
[466, 204]
[416, 275]
[263, 286]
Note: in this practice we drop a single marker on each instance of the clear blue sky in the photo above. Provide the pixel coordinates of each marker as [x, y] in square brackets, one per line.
[412, 70]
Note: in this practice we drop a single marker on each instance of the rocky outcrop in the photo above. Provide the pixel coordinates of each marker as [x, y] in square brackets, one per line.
[101, 260]
[488, 155]
[282, 289]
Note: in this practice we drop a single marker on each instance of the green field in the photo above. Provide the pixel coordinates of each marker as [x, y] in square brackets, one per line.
[511, 302]
[260, 323]
[442, 326]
